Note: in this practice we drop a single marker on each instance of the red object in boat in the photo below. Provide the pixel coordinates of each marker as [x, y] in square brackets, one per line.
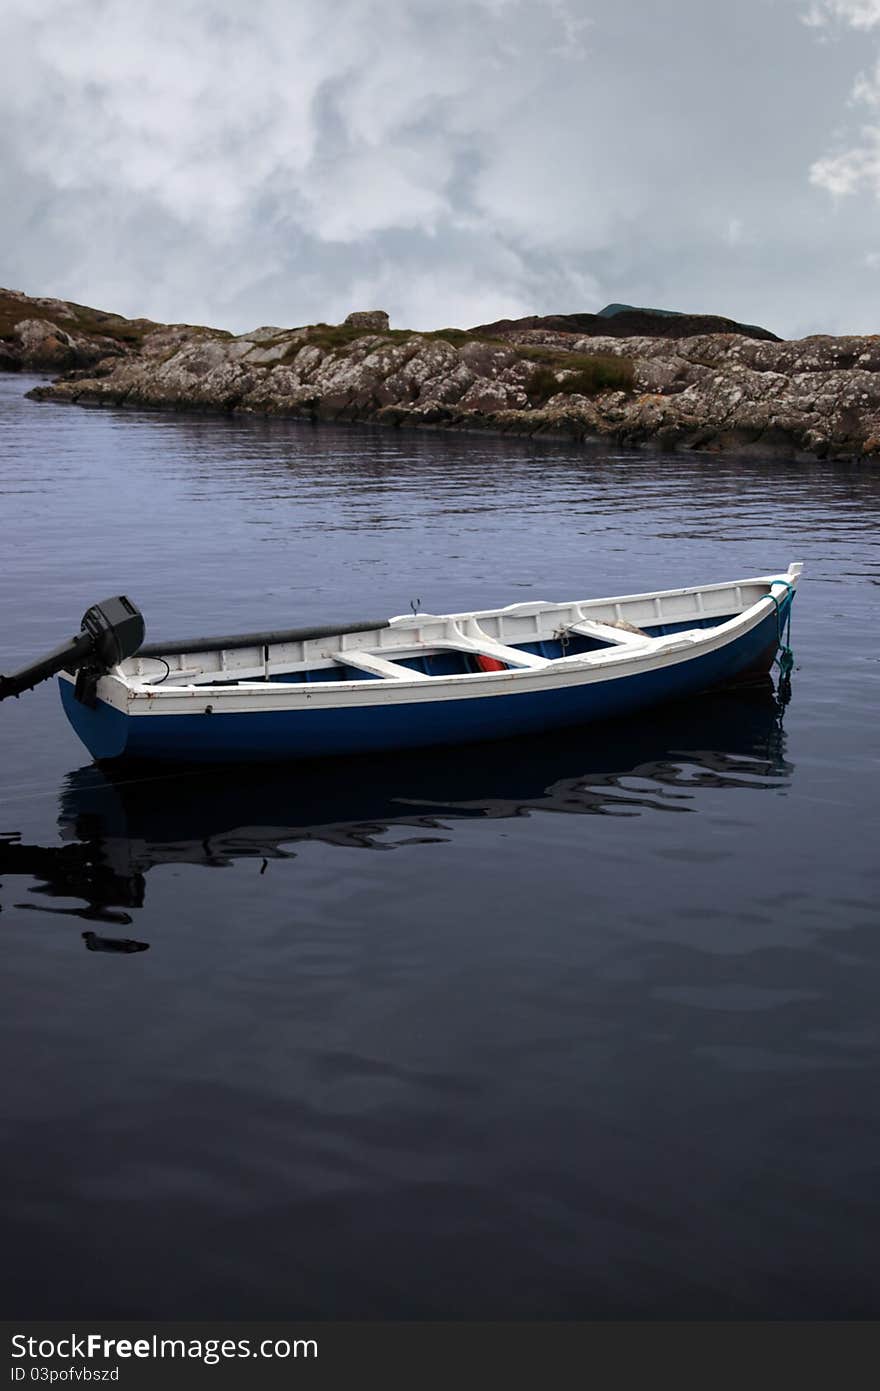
[490, 663]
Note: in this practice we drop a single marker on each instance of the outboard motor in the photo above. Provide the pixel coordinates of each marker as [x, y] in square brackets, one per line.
[110, 632]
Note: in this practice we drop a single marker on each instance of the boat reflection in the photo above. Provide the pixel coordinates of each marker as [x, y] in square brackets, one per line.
[119, 827]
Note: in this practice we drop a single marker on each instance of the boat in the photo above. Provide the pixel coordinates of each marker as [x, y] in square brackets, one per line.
[411, 681]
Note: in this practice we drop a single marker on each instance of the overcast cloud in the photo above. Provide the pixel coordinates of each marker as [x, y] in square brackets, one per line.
[289, 160]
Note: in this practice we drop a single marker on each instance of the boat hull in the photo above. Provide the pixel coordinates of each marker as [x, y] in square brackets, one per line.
[271, 735]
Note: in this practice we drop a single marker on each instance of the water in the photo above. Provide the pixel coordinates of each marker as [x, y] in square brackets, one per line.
[583, 1027]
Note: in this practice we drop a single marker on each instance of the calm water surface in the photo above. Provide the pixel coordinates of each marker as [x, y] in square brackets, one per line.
[583, 1027]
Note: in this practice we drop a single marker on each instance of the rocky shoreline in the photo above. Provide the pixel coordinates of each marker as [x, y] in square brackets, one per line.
[732, 388]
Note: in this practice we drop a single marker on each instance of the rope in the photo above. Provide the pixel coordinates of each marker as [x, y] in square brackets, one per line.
[784, 657]
[51, 789]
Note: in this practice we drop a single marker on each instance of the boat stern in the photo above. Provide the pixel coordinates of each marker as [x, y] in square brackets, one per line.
[102, 727]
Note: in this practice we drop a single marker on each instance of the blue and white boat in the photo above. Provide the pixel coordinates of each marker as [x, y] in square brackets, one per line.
[420, 679]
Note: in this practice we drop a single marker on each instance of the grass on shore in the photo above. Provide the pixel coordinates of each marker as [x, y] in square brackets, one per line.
[333, 336]
[585, 375]
[91, 322]
[85, 320]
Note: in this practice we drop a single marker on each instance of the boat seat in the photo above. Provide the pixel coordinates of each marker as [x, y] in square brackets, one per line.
[608, 632]
[378, 666]
[485, 647]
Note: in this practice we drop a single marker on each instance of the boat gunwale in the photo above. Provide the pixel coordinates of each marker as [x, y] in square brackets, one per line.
[523, 608]
[138, 698]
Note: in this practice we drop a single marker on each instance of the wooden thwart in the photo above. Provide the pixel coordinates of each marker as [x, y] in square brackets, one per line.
[487, 648]
[378, 666]
[607, 632]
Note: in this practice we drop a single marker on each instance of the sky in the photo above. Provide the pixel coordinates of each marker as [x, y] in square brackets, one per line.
[450, 161]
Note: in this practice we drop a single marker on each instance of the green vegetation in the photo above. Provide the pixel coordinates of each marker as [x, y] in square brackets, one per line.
[12, 311]
[92, 322]
[121, 331]
[584, 375]
[85, 320]
[542, 385]
[556, 371]
[340, 337]
[331, 337]
[459, 338]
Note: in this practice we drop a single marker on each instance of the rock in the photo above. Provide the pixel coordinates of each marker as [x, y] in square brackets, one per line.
[58, 307]
[369, 318]
[814, 398]
[264, 334]
[32, 336]
[44, 344]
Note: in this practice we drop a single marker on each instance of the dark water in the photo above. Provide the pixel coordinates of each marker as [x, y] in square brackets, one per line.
[583, 1027]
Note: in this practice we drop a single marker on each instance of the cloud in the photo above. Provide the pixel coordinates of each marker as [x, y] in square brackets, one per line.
[240, 128]
[856, 167]
[449, 160]
[851, 170]
[859, 14]
[200, 108]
